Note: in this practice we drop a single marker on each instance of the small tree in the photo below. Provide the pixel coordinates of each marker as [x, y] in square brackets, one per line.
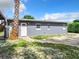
[28, 17]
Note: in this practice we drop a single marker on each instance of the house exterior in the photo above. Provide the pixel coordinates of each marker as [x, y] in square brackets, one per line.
[34, 27]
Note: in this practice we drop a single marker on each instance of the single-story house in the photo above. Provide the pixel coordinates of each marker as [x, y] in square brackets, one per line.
[35, 27]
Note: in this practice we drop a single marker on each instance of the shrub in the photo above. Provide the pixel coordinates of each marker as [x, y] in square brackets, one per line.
[76, 27]
[70, 27]
[73, 27]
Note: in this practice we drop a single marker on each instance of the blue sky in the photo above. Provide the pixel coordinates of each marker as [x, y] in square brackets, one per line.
[40, 7]
[47, 9]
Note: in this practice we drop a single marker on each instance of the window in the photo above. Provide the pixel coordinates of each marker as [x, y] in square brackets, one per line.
[38, 26]
[48, 26]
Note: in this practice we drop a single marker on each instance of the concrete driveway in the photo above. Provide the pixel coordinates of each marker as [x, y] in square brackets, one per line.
[68, 39]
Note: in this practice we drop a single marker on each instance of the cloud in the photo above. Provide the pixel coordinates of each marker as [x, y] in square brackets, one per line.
[6, 3]
[7, 8]
[61, 16]
[22, 7]
[9, 5]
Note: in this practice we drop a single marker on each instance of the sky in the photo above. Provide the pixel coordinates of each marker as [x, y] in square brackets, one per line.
[65, 10]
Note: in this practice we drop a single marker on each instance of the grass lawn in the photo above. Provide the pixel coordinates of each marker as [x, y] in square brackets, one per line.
[38, 37]
[36, 50]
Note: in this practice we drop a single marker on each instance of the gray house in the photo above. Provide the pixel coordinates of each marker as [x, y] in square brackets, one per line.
[34, 27]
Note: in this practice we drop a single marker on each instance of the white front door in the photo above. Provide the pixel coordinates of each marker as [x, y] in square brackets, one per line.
[23, 30]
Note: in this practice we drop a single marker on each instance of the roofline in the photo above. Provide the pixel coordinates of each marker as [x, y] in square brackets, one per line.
[31, 20]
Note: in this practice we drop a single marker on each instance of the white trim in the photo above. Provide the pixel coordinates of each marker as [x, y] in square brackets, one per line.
[22, 30]
[25, 24]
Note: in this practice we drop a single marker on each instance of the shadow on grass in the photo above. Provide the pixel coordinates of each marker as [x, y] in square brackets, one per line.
[37, 50]
[10, 51]
[6, 50]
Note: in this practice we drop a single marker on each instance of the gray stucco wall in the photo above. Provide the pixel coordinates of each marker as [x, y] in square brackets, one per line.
[54, 29]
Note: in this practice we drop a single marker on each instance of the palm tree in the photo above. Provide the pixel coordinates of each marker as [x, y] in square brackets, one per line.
[14, 32]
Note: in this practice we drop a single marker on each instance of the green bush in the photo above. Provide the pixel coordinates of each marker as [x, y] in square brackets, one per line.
[40, 37]
[76, 27]
[73, 27]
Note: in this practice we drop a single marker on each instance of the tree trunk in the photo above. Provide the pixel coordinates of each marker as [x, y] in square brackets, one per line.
[15, 28]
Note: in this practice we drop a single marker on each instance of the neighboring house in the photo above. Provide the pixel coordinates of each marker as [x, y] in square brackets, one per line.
[34, 27]
[3, 32]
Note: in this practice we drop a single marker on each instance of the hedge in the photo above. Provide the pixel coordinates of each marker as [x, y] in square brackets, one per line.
[73, 27]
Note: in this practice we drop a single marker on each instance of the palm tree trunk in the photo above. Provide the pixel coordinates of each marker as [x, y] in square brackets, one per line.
[15, 27]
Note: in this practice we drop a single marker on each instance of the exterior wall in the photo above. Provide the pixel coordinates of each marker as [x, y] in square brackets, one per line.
[54, 29]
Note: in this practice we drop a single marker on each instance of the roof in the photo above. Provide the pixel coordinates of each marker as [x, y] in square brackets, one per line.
[1, 16]
[31, 20]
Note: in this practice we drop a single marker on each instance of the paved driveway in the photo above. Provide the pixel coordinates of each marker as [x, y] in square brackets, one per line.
[68, 40]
